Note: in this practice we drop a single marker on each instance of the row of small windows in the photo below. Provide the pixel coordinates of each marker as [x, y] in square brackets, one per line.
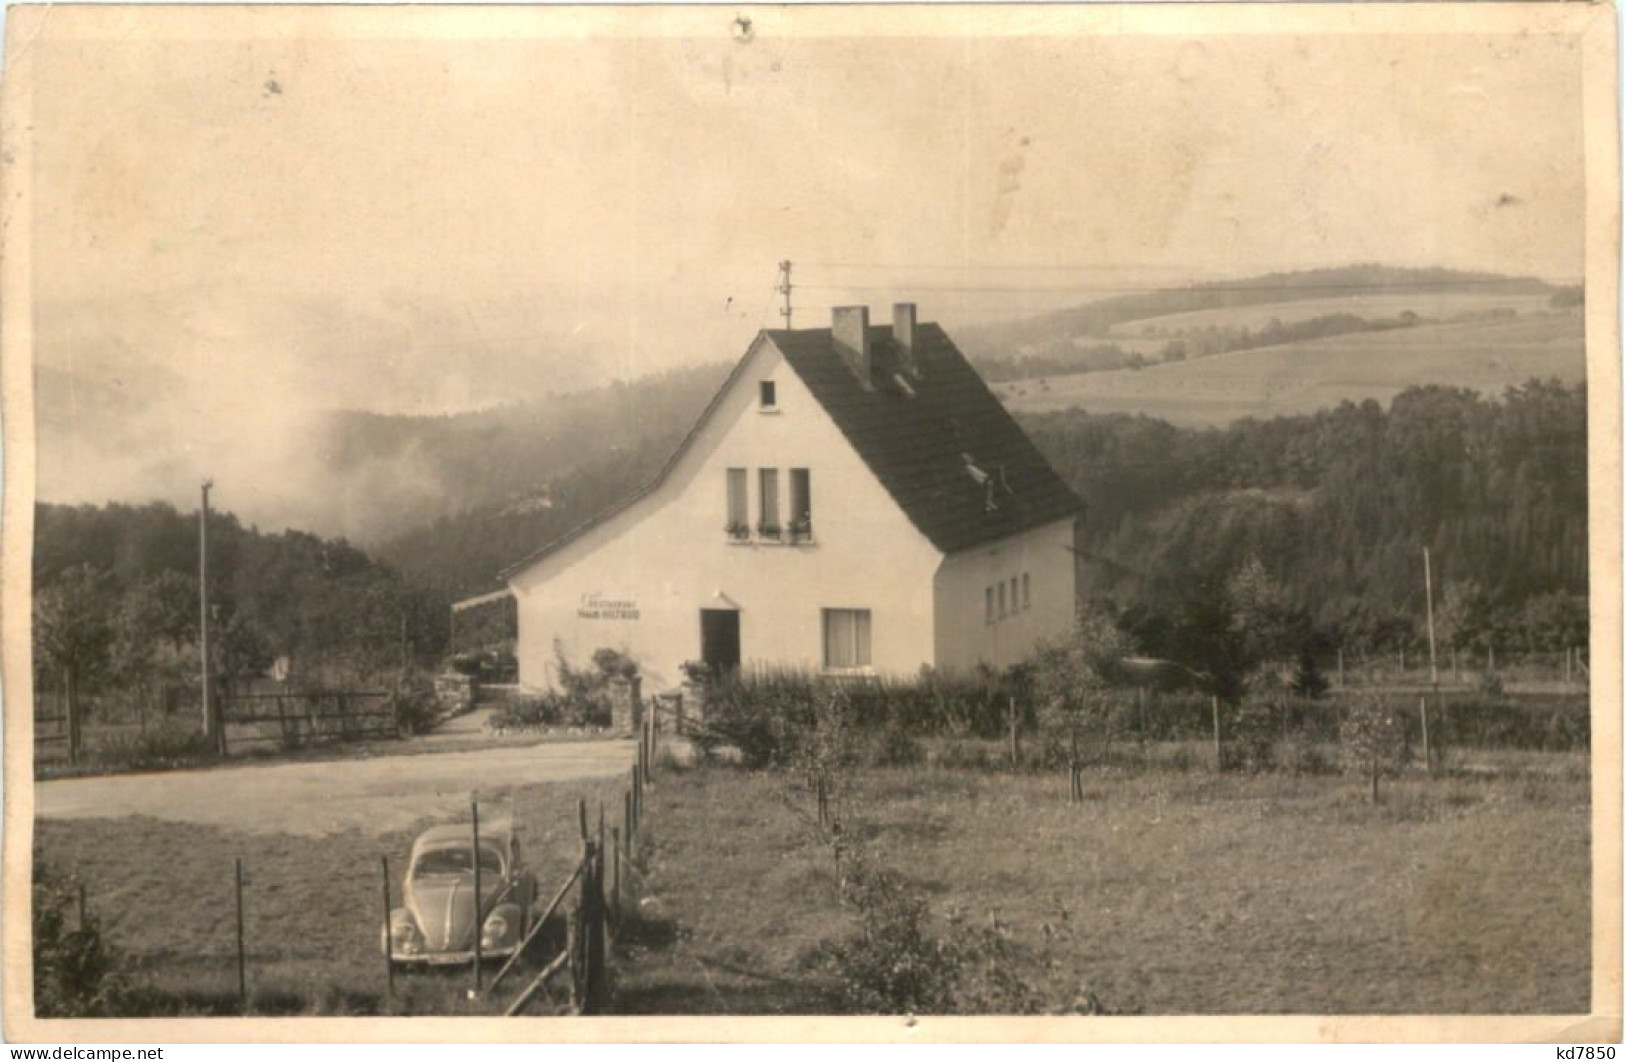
[771, 523]
[1006, 598]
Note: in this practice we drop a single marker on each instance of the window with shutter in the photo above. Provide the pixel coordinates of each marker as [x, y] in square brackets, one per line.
[738, 514]
[800, 504]
[768, 527]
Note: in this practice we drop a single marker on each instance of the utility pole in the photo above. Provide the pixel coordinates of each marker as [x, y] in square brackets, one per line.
[783, 288]
[1427, 575]
[210, 725]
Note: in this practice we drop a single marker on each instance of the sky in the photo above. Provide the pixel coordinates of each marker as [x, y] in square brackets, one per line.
[260, 223]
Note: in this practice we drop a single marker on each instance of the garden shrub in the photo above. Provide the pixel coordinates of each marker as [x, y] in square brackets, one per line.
[168, 743]
[583, 698]
[416, 705]
[535, 711]
[965, 755]
[1249, 731]
[896, 962]
[895, 746]
[75, 969]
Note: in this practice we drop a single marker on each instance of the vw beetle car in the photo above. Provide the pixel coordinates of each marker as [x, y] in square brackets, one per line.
[436, 921]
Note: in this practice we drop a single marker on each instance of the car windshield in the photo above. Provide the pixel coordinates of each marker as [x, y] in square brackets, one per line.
[455, 860]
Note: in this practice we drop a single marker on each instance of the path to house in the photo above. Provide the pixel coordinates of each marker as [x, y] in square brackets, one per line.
[374, 795]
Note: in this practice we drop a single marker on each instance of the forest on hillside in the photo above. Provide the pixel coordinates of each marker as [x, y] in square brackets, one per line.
[116, 602]
[1336, 507]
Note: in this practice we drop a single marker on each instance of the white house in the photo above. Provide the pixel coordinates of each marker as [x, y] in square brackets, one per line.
[854, 499]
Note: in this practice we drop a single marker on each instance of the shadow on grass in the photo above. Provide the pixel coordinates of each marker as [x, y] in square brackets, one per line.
[680, 980]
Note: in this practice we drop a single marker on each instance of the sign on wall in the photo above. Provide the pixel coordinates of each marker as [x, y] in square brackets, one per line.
[596, 606]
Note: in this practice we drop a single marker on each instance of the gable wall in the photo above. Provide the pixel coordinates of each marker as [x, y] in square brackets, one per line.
[964, 635]
[667, 555]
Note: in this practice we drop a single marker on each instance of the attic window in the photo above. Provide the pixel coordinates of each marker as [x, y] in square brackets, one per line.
[769, 396]
[982, 479]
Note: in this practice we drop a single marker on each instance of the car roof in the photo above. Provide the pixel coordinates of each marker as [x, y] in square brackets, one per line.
[496, 832]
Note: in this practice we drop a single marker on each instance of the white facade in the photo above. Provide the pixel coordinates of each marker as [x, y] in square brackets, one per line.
[639, 580]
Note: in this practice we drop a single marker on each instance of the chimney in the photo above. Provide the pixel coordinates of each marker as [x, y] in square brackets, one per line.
[902, 330]
[849, 326]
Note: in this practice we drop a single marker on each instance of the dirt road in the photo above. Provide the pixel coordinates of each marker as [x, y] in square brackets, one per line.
[373, 795]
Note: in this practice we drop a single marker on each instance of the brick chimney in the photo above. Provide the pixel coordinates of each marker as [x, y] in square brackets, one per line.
[850, 327]
[902, 330]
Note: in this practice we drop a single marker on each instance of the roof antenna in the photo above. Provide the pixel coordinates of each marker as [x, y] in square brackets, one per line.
[783, 288]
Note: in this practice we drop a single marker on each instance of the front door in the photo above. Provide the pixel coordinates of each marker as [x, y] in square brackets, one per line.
[719, 639]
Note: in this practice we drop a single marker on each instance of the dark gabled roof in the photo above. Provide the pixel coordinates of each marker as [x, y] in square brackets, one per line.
[942, 445]
[938, 440]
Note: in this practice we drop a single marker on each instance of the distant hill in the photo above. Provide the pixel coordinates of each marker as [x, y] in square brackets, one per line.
[459, 554]
[510, 459]
[1099, 319]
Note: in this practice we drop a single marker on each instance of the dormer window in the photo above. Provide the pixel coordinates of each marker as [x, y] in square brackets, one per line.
[769, 394]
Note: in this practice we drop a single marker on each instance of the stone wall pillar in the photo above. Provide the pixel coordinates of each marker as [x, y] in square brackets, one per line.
[626, 704]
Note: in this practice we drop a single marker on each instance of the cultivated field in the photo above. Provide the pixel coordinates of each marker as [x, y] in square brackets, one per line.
[1165, 892]
[1303, 377]
[1437, 305]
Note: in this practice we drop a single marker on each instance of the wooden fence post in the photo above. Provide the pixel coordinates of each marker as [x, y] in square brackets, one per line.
[71, 688]
[242, 964]
[1015, 735]
[1074, 780]
[615, 847]
[389, 937]
[1427, 751]
[1218, 740]
[627, 821]
[592, 926]
[572, 945]
[479, 905]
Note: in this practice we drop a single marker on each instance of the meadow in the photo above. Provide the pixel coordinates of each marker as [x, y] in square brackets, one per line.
[1486, 356]
[1169, 890]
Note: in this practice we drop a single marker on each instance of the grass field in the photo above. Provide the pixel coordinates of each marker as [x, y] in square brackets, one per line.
[164, 894]
[1303, 377]
[1185, 892]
